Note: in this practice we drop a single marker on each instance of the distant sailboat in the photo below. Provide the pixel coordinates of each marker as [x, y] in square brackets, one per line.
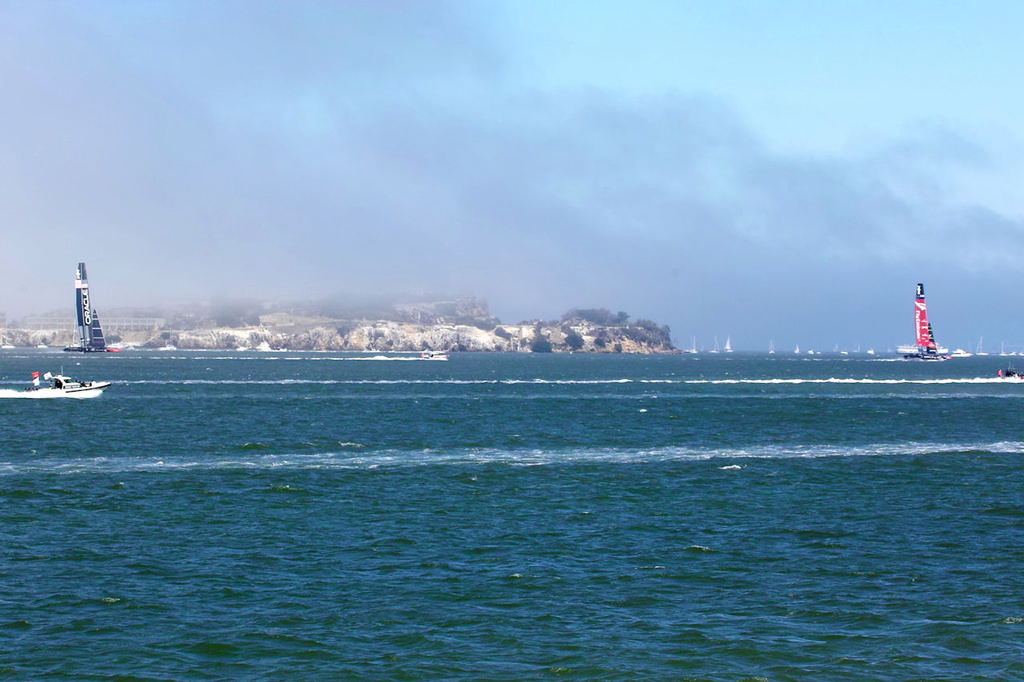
[728, 344]
[715, 349]
[926, 348]
[90, 334]
[771, 348]
[693, 345]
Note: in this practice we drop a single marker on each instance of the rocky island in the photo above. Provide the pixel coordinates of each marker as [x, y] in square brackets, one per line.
[460, 325]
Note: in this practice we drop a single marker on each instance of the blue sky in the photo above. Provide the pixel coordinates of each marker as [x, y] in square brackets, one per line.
[765, 171]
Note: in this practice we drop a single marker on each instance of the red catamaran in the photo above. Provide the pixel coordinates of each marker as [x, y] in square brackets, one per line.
[926, 348]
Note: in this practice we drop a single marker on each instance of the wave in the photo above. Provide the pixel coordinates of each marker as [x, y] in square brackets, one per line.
[353, 456]
[836, 380]
[376, 382]
[768, 381]
[10, 393]
[303, 356]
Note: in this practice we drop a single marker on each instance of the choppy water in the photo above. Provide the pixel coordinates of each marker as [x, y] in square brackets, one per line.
[289, 516]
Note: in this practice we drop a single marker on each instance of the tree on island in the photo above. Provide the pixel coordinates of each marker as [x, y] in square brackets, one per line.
[599, 316]
[573, 340]
[540, 343]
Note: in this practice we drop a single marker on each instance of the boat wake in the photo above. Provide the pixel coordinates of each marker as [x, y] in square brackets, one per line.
[835, 380]
[7, 393]
[357, 458]
[767, 381]
[297, 356]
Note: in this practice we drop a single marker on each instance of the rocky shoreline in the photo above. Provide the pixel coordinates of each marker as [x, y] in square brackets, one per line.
[456, 326]
[382, 336]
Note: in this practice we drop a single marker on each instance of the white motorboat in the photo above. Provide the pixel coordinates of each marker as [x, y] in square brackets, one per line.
[63, 386]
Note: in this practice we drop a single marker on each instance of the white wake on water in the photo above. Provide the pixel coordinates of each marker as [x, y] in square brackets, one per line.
[726, 458]
[768, 381]
[46, 395]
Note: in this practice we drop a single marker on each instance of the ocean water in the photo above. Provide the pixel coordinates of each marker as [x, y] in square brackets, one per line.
[324, 516]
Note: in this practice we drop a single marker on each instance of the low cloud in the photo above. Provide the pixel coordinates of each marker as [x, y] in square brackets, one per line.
[320, 151]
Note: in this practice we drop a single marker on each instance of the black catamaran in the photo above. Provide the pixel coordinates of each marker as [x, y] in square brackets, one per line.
[90, 334]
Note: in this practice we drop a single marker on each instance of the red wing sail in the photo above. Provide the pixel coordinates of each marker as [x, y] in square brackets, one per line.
[921, 320]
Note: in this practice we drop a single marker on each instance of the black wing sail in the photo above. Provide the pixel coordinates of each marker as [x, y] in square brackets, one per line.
[96, 341]
[90, 334]
[82, 309]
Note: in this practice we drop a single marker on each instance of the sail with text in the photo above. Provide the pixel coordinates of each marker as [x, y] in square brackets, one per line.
[90, 334]
[926, 347]
[925, 340]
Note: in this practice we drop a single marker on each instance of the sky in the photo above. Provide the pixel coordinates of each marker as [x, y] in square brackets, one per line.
[765, 172]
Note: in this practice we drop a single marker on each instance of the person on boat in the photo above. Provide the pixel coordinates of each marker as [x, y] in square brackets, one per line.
[57, 383]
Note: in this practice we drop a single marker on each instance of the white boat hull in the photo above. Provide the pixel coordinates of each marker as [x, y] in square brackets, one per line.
[63, 387]
[85, 392]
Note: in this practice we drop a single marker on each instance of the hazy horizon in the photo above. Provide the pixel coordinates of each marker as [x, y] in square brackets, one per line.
[764, 173]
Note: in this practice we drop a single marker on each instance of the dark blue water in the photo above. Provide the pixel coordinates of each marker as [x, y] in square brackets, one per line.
[265, 516]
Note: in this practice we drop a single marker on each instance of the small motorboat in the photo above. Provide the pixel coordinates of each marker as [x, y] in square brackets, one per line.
[60, 385]
[433, 355]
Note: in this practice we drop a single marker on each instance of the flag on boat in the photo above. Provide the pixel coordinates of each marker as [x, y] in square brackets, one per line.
[35, 378]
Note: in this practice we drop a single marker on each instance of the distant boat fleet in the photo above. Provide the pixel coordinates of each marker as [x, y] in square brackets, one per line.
[694, 350]
[925, 347]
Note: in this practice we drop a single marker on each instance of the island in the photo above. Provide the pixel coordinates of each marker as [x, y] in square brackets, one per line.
[451, 325]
